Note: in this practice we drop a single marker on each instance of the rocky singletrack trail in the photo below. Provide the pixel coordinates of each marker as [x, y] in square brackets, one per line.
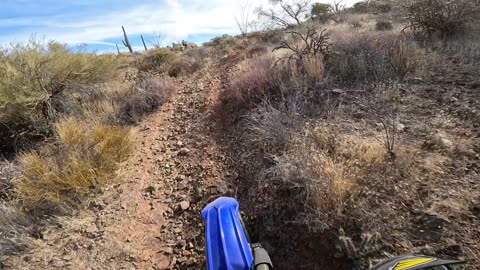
[152, 220]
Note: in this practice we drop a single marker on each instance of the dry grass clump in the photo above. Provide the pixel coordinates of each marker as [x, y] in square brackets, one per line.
[250, 84]
[144, 98]
[323, 168]
[373, 57]
[270, 128]
[83, 157]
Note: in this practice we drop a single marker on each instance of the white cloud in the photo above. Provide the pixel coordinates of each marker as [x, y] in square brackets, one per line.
[176, 19]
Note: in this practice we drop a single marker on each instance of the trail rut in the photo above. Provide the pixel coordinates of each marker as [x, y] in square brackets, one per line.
[152, 220]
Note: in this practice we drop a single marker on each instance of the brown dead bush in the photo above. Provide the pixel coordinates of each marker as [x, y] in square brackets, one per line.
[250, 85]
[374, 57]
[144, 98]
[383, 26]
[443, 17]
[15, 227]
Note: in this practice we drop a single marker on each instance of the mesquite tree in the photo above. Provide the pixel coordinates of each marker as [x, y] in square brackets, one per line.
[286, 13]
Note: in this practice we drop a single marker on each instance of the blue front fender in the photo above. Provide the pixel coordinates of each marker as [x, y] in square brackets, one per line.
[226, 243]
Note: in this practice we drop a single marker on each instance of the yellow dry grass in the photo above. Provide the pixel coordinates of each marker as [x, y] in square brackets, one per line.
[83, 157]
[314, 67]
[336, 162]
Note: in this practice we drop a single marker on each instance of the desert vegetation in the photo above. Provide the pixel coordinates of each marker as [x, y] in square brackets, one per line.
[348, 134]
[331, 121]
[67, 124]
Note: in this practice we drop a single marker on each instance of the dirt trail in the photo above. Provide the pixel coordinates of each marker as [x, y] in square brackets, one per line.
[152, 220]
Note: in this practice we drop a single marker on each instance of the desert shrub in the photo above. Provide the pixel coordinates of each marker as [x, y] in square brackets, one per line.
[199, 54]
[270, 36]
[145, 97]
[250, 84]
[322, 169]
[371, 7]
[222, 43]
[166, 61]
[269, 127]
[84, 157]
[256, 49]
[443, 17]
[460, 53]
[8, 170]
[360, 7]
[183, 66]
[321, 12]
[15, 226]
[373, 57]
[307, 52]
[356, 23]
[383, 26]
[34, 79]
[381, 7]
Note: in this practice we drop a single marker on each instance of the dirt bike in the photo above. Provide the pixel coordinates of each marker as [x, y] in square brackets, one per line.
[228, 248]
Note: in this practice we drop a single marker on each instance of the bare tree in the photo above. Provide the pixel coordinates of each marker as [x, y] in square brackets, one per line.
[286, 13]
[243, 20]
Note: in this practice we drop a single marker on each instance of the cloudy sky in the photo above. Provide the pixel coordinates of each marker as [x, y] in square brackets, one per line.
[98, 22]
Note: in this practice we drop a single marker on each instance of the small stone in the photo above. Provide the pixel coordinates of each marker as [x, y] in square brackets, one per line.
[338, 91]
[180, 177]
[184, 205]
[440, 139]
[186, 253]
[399, 127]
[177, 230]
[182, 259]
[191, 262]
[168, 250]
[183, 152]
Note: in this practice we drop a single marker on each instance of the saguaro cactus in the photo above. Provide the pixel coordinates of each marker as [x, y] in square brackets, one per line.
[144, 45]
[126, 42]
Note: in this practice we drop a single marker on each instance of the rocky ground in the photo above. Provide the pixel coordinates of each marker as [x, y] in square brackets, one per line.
[153, 219]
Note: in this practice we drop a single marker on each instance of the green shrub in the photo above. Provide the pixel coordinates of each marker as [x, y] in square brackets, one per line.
[321, 12]
[360, 7]
[33, 79]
